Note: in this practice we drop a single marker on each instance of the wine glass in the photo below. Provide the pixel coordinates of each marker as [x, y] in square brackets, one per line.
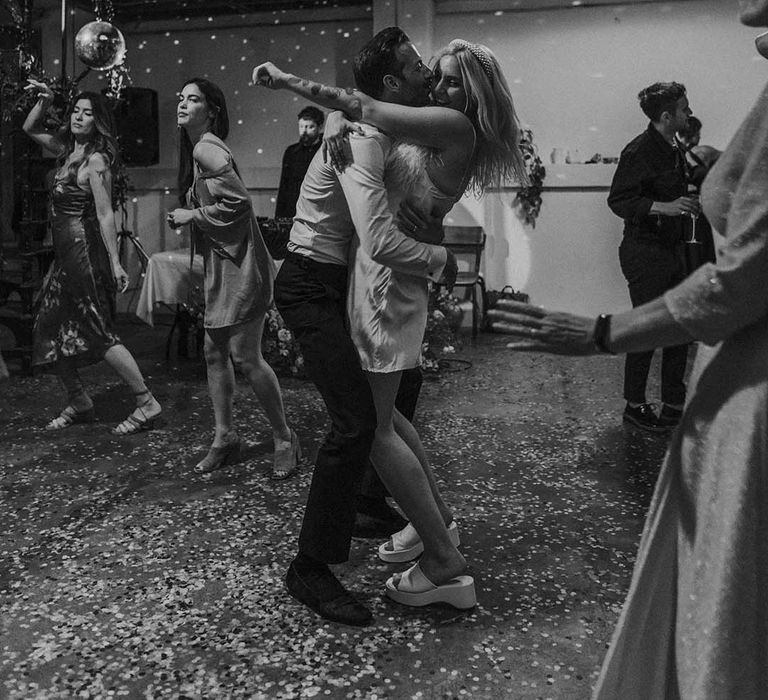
[694, 217]
[693, 239]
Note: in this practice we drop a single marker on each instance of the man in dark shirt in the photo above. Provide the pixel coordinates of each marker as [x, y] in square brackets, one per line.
[296, 160]
[649, 191]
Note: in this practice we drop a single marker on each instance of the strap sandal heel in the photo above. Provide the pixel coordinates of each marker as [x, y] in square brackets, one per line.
[139, 421]
[221, 456]
[70, 416]
[286, 461]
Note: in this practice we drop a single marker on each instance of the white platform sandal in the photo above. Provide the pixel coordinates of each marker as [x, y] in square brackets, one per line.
[413, 588]
[406, 545]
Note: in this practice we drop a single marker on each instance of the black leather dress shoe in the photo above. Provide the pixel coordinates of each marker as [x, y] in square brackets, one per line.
[321, 591]
[643, 417]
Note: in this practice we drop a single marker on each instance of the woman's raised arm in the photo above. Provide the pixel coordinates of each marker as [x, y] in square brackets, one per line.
[435, 127]
[33, 124]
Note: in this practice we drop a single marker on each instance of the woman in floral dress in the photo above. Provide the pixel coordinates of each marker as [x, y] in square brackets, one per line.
[73, 326]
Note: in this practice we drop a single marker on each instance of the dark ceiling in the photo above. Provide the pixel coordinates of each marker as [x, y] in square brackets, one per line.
[150, 10]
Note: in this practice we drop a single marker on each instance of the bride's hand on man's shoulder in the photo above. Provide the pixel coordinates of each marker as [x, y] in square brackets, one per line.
[335, 140]
[268, 75]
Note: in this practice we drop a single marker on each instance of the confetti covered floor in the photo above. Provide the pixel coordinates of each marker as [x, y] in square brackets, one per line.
[124, 574]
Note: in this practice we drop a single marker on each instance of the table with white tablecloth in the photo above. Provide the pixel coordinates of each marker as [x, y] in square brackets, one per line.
[169, 280]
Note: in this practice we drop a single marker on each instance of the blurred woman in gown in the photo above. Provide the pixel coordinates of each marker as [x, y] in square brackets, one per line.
[695, 624]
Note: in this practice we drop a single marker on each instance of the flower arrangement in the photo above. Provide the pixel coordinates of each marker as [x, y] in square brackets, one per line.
[528, 198]
[444, 317]
[278, 345]
[280, 348]
[282, 352]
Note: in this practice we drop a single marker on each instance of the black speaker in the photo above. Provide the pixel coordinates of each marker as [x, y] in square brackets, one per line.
[137, 126]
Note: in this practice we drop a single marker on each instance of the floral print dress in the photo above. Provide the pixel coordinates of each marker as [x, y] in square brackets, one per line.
[76, 306]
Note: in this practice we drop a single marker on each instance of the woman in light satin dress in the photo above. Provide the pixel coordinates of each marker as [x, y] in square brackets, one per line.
[239, 273]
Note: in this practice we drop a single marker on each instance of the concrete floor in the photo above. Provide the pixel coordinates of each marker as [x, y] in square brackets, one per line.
[124, 574]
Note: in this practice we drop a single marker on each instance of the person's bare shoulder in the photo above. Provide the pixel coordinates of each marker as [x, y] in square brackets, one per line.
[210, 155]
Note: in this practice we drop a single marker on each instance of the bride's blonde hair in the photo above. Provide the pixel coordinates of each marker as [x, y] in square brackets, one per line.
[491, 110]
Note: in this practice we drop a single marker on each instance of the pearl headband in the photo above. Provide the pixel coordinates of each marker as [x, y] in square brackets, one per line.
[478, 52]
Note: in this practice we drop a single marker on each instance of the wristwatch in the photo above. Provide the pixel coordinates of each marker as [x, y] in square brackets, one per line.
[601, 333]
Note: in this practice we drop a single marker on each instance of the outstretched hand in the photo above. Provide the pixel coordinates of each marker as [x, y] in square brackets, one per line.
[269, 75]
[537, 329]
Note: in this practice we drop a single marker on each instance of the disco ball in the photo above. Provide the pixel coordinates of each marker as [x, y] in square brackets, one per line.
[100, 45]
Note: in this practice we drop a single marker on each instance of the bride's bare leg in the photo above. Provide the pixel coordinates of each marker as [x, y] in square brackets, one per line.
[408, 433]
[403, 474]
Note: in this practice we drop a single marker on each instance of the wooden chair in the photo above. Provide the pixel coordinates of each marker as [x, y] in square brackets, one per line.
[467, 244]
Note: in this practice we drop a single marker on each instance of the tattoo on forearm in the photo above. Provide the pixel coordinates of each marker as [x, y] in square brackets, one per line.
[319, 90]
[333, 97]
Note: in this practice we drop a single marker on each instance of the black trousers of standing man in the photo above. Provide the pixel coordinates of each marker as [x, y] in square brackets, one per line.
[651, 270]
[311, 298]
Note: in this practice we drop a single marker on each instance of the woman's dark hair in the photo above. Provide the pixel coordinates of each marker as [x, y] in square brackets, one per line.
[377, 59]
[103, 139]
[216, 102]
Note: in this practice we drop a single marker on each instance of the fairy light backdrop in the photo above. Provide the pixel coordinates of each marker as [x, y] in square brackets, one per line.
[574, 74]
[262, 123]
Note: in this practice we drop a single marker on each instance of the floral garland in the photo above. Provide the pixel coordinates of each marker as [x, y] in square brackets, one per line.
[528, 199]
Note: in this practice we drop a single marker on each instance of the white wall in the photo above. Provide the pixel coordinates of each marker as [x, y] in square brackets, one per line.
[575, 75]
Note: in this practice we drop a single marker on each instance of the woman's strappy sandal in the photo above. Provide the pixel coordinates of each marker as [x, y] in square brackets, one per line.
[286, 461]
[139, 420]
[69, 416]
